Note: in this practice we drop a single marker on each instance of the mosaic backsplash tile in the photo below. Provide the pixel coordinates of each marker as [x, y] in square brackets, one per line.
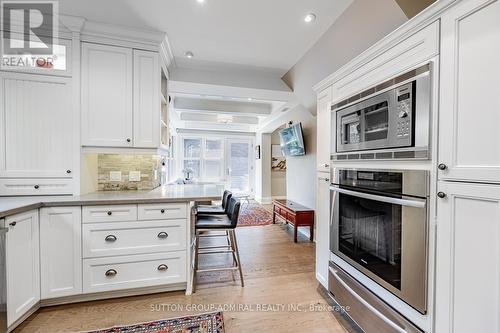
[149, 166]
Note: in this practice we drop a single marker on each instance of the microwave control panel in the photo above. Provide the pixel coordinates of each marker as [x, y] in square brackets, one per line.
[404, 109]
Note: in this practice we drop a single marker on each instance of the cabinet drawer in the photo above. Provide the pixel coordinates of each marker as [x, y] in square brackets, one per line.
[128, 238]
[35, 186]
[162, 211]
[118, 213]
[115, 273]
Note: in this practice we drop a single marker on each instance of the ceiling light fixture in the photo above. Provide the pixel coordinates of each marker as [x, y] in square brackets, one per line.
[200, 1]
[250, 99]
[309, 18]
[189, 54]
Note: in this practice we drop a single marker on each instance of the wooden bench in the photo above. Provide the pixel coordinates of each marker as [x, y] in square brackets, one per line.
[295, 214]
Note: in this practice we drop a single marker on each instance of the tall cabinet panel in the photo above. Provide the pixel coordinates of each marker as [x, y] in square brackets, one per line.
[37, 129]
[468, 268]
[106, 96]
[324, 130]
[60, 251]
[23, 265]
[147, 101]
[469, 148]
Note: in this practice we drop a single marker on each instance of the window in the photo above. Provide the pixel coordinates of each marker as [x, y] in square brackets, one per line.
[203, 159]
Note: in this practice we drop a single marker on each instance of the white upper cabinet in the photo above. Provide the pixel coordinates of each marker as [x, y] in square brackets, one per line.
[23, 265]
[37, 129]
[469, 120]
[147, 107]
[106, 96]
[60, 251]
[467, 267]
[323, 129]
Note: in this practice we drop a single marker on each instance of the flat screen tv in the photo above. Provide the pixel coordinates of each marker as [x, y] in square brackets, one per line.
[292, 141]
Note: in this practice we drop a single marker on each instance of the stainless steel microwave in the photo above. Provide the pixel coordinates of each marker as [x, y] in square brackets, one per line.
[392, 116]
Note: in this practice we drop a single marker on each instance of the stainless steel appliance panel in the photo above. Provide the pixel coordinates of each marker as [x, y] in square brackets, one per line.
[379, 226]
[368, 311]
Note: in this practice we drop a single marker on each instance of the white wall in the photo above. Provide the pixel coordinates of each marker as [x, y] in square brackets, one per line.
[300, 175]
[263, 169]
[361, 25]
[278, 178]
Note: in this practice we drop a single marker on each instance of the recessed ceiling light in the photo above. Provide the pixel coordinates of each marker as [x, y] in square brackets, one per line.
[189, 54]
[310, 18]
[200, 1]
[250, 98]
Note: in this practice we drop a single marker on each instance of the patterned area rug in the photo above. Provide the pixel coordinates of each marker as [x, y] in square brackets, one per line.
[205, 323]
[254, 214]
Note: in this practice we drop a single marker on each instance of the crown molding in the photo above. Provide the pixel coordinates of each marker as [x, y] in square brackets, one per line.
[166, 53]
[426, 17]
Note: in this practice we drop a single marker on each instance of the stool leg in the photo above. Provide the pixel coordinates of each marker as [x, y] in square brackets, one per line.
[235, 244]
[196, 250]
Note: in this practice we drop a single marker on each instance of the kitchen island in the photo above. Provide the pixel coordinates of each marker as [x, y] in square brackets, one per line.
[65, 249]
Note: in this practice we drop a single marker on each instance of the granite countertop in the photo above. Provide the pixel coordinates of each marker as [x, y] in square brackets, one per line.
[162, 194]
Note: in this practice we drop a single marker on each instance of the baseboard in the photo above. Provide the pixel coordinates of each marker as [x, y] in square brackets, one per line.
[264, 200]
[112, 294]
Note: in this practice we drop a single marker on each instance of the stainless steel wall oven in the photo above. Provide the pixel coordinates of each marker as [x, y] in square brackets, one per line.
[379, 226]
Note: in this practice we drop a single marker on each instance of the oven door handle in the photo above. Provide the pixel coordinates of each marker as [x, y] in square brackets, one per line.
[370, 307]
[396, 201]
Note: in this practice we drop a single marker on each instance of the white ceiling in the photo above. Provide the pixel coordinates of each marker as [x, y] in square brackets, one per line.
[262, 33]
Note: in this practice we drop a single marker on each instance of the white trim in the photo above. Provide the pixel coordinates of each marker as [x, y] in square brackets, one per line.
[264, 200]
[426, 17]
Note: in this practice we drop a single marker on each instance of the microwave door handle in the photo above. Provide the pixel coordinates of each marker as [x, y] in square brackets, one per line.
[370, 307]
[396, 201]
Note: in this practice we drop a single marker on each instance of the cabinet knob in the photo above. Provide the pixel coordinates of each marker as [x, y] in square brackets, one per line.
[111, 272]
[162, 235]
[110, 213]
[326, 165]
[68, 171]
[442, 166]
[128, 140]
[162, 267]
[36, 187]
[162, 211]
[441, 195]
[13, 224]
[110, 238]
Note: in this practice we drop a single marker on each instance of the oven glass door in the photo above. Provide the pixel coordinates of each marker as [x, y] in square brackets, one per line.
[382, 235]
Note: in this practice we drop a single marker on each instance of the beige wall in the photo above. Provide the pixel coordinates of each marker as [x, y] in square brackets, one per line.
[278, 178]
[361, 25]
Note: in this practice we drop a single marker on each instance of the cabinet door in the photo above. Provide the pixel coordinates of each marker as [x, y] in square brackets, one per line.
[469, 139]
[23, 265]
[324, 130]
[37, 133]
[322, 227]
[467, 267]
[106, 95]
[147, 101]
[60, 251]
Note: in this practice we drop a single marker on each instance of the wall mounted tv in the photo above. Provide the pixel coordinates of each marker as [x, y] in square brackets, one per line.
[292, 141]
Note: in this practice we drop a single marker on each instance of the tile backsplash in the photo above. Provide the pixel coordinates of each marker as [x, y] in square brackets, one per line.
[117, 172]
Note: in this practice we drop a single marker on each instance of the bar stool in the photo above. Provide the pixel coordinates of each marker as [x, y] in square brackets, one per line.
[215, 209]
[227, 223]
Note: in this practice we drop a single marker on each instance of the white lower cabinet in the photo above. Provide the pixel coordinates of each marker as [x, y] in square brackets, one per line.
[23, 265]
[468, 268]
[126, 272]
[60, 251]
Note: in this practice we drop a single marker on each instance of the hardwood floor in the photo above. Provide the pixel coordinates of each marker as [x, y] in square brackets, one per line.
[276, 270]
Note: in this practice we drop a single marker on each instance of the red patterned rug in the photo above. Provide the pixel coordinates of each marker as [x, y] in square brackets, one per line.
[254, 214]
[205, 323]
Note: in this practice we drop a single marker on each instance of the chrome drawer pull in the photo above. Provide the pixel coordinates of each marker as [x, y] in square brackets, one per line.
[162, 235]
[162, 267]
[110, 238]
[111, 272]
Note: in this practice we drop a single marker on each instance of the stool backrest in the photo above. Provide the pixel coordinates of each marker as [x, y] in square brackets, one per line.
[225, 199]
[233, 211]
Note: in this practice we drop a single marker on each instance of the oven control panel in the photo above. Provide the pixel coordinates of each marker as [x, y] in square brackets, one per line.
[403, 97]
